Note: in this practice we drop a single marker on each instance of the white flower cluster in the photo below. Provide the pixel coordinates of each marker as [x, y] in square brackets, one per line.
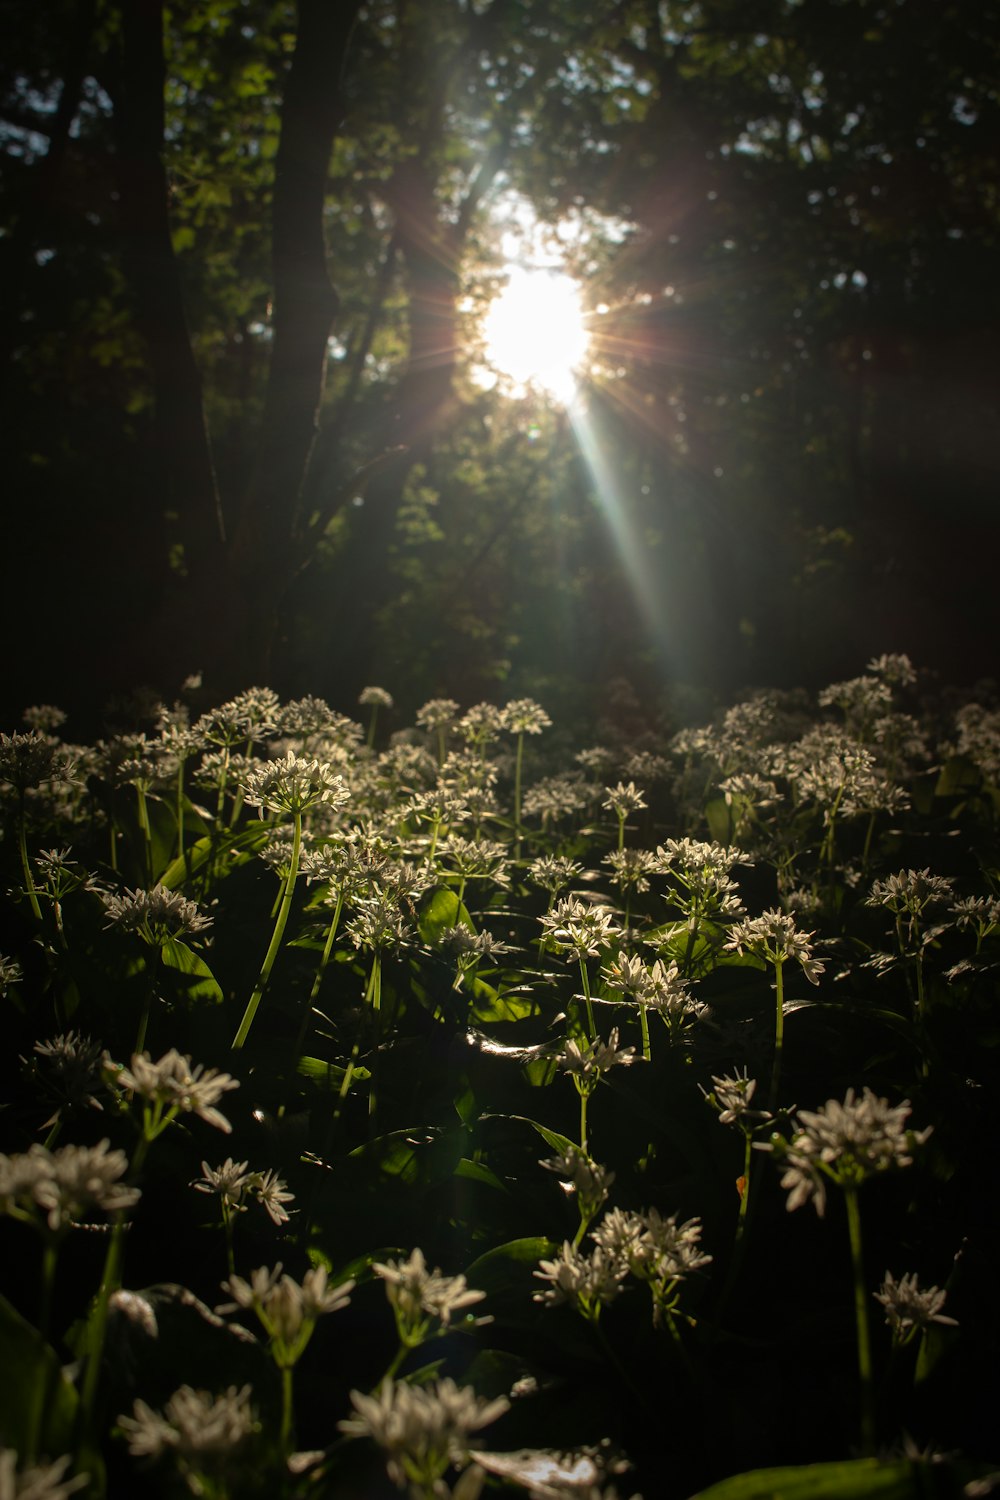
[844, 1143]
[173, 1087]
[775, 938]
[292, 784]
[287, 1309]
[63, 1186]
[420, 1298]
[156, 915]
[423, 1429]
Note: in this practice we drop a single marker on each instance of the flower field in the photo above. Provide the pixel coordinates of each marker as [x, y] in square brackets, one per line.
[461, 1109]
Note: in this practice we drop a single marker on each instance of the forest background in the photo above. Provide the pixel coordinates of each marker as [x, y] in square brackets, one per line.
[247, 247]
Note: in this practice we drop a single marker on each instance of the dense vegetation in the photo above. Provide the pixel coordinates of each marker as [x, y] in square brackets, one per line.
[475, 1107]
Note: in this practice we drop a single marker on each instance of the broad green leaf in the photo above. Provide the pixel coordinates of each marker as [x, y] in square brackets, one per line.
[490, 1271]
[853, 1479]
[203, 984]
[441, 911]
[477, 1171]
[332, 1074]
[37, 1402]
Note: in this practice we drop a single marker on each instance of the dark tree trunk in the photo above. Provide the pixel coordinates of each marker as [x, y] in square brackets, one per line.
[182, 454]
[305, 303]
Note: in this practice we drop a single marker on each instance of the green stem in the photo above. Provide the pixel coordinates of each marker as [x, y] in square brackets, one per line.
[276, 937]
[517, 795]
[147, 1004]
[585, 979]
[867, 1388]
[779, 1032]
[29, 883]
[583, 1123]
[644, 1027]
[147, 836]
[111, 1280]
[49, 1257]
[287, 1410]
[373, 998]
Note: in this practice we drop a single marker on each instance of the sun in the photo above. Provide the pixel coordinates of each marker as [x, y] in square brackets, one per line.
[535, 332]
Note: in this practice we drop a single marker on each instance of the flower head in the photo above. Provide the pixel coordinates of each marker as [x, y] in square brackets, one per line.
[910, 1308]
[844, 1143]
[172, 1087]
[292, 784]
[423, 1429]
[156, 916]
[419, 1297]
[775, 938]
[38, 1482]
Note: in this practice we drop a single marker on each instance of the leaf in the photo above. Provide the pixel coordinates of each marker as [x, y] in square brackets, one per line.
[332, 1074]
[560, 1143]
[37, 1403]
[477, 1171]
[203, 984]
[491, 1271]
[443, 910]
[852, 1479]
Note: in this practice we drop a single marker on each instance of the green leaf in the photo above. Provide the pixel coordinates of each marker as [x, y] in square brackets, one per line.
[853, 1479]
[443, 910]
[477, 1171]
[203, 983]
[37, 1404]
[560, 1143]
[332, 1074]
[492, 1270]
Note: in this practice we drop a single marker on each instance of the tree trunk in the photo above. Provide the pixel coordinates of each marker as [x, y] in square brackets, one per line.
[305, 304]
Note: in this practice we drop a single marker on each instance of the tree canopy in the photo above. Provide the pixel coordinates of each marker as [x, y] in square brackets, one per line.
[247, 246]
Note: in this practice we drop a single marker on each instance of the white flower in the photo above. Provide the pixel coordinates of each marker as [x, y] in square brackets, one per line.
[423, 1429]
[40, 1481]
[287, 1309]
[588, 1282]
[375, 697]
[731, 1097]
[910, 1308]
[844, 1143]
[174, 1087]
[624, 798]
[207, 1434]
[437, 714]
[524, 716]
[66, 1184]
[292, 784]
[414, 1291]
[589, 1060]
[587, 1179]
[156, 915]
[579, 927]
[775, 937]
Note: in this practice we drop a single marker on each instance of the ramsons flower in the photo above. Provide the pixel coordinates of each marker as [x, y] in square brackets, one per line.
[287, 1309]
[421, 1298]
[43, 1481]
[423, 1429]
[206, 1434]
[911, 1308]
[172, 1086]
[156, 916]
[292, 784]
[775, 938]
[844, 1143]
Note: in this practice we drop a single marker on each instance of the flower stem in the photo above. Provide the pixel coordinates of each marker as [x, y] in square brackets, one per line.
[29, 883]
[287, 1410]
[276, 936]
[585, 980]
[867, 1388]
[779, 1032]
